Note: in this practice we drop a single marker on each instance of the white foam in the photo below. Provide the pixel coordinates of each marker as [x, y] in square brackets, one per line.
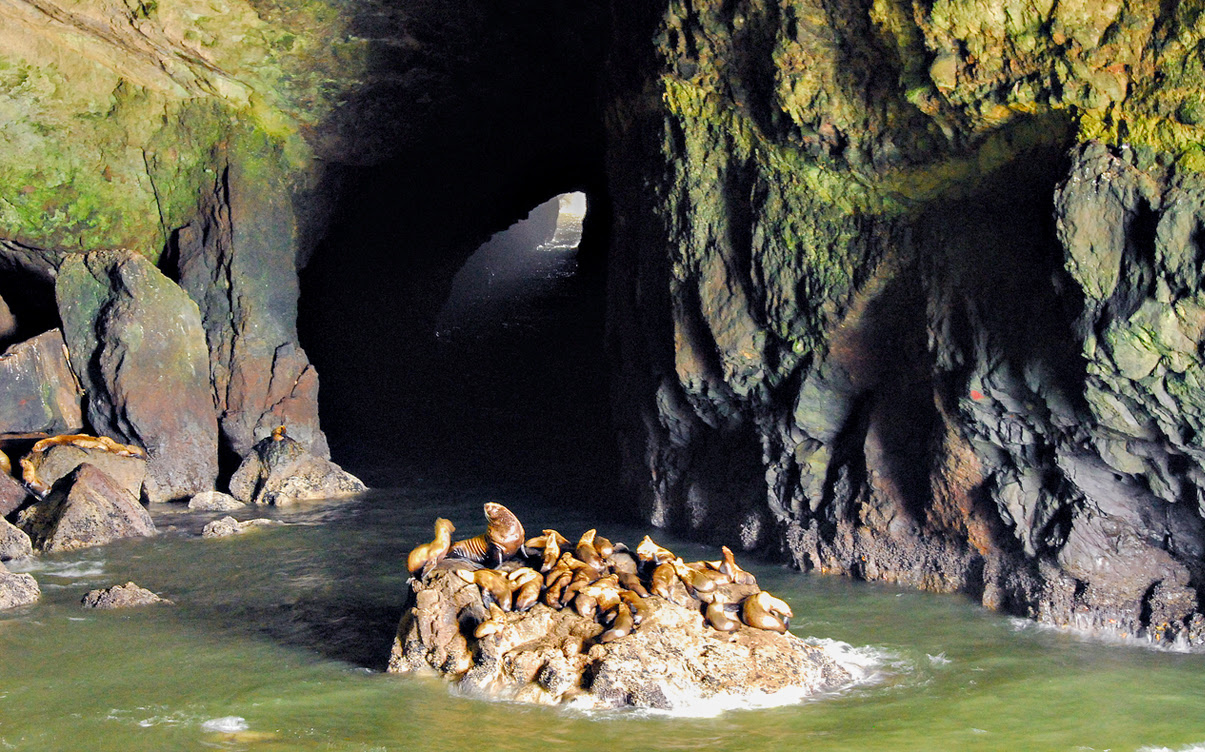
[1105, 637]
[227, 724]
[1198, 747]
[938, 660]
[66, 569]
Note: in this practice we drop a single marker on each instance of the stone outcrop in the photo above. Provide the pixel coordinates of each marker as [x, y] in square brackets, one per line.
[928, 310]
[12, 494]
[17, 589]
[137, 344]
[14, 543]
[282, 471]
[85, 508]
[38, 391]
[60, 459]
[128, 595]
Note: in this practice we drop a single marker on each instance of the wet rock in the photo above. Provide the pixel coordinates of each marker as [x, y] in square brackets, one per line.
[214, 501]
[14, 543]
[38, 391]
[128, 595]
[227, 526]
[137, 343]
[673, 660]
[57, 461]
[85, 508]
[17, 589]
[282, 471]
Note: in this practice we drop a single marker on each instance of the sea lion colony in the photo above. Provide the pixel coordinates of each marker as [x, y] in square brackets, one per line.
[596, 578]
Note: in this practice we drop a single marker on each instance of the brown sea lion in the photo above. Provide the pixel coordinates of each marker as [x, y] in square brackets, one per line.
[662, 580]
[650, 553]
[502, 538]
[622, 624]
[756, 612]
[734, 572]
[588, 554]
[491, 582]
[603, 546]
[526, 584]
[423, 557]
[640, 609]
[279, 433]
[585, 605]
[605, 592]
[718, 616]
[5, 463]
[632, 582]
[492, 623]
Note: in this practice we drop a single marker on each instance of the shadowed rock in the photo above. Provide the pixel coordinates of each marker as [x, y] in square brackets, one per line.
[38, 392]
[281, 471]
[12, 495]
[85, 508]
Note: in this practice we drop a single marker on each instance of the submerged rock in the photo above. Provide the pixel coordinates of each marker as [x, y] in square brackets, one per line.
[17, 589]
[282, 471]
[121, 596]
[85, 508]
[227, 526]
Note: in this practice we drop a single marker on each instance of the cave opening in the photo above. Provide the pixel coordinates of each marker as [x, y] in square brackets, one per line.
[442, 354]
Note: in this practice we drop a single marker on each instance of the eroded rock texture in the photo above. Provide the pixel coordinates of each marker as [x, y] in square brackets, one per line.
[85, 508]
[928, 309]
[672, 661]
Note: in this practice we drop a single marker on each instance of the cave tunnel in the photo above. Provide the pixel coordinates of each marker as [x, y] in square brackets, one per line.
[526, 392]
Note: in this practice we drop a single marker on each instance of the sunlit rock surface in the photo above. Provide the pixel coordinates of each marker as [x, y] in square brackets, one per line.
[17, 589]
[128, 595]
[280, 471]
[85, 508]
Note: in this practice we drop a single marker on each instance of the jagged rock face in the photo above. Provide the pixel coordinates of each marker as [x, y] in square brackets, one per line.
[17, 589]
[928, 307]
[58, 461]
[136, 342]
[280, 471]
[38, 391]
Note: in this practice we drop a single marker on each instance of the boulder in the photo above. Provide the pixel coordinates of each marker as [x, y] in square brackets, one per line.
[227, 526]
[214, 501]
[673, 660]
[85, 508]
[59, 460]
[17, 589]
[14, 543]
[136, 340]
[281, 471]
[38, 391]
[12, 494]
[121, 596]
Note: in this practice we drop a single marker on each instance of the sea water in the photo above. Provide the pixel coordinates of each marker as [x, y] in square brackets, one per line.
[277, 640]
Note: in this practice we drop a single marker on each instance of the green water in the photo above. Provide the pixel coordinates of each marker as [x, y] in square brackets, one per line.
[277, 639]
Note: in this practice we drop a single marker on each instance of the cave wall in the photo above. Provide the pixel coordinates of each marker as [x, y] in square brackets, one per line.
[910, 291]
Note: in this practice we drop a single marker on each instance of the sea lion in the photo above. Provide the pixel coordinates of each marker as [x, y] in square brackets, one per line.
[640, 609]
[526, 584]
[585, 605]
[622, 624]
[423, 557]
[757, 612]
[718, 616]
[492, 623]
[605, 592]
[553, 543]
[29, 474]
[662, 580]
[279, 433]
[492, 582]
[701, 585]
[652, 554]
[588, 554]
[502, 538]
[5, 463]
[734, 572]
[632, 582]
[555, 583]
[603, 546]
